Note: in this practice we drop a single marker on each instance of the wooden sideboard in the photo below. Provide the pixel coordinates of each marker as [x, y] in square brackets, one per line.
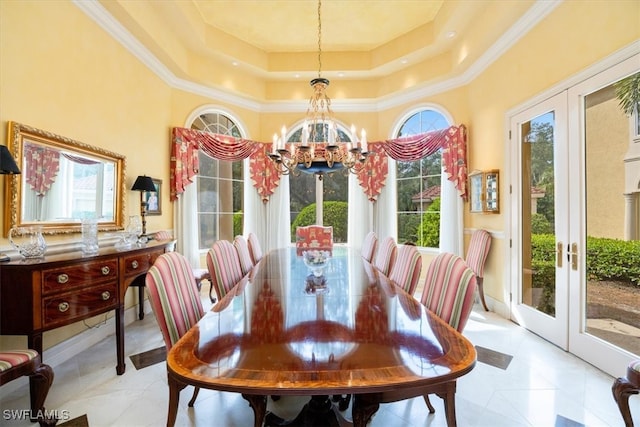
[43, 294]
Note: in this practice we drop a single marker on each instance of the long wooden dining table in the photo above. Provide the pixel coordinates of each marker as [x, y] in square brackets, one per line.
[283, 330]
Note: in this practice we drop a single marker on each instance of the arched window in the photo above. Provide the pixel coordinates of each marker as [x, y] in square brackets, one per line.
[219, 186]
[418, 185]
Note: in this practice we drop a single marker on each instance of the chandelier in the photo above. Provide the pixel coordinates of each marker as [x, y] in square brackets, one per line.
[321, 149]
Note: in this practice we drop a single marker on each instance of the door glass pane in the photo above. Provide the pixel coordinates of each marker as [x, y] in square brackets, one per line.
[538, 214]
[612, 264]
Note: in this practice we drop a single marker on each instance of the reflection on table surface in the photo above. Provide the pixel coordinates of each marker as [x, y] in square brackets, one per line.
[282, 330]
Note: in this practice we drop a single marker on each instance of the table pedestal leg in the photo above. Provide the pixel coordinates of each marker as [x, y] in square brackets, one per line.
[319, 412]
[363, 409]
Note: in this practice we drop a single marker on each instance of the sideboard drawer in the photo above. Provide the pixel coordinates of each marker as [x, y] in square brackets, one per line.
[70, 306]
[66, 278]
[140, 263]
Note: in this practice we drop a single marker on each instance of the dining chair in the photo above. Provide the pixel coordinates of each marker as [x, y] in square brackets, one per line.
[242, 246]
[254, 248]
[174, 299]
[223, 263]
[15, 364]
[385, 255]
[406, 270]
[199, 274]
[476, 257]
[314, 237]
[624, 387]
[448, 292]
[369, 246]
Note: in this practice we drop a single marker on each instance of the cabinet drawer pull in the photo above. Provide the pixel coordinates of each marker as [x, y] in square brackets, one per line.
[105, 295]
[63, 306]
[63, 278]
[105, 270]
[134, 264]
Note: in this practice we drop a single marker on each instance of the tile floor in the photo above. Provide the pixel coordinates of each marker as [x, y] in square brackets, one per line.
[520, 380]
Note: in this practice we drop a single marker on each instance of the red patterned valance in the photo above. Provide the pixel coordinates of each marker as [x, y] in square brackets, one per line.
[372, 178]
[184, 154]
[42, 165]
[453, 142]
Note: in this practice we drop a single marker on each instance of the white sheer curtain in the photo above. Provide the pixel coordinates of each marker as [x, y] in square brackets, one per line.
[385, 210]
[360, 214]
[269, 221]
[450, 217]
[186, 225]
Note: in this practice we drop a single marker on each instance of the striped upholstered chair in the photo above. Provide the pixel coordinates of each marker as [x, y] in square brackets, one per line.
[242, 246]
[448, 292]
[385, 255]
[369, 246]
[174, 298]
[476, 256]
[223, 263]
[254, 248]
[15, 364]
[406, 270]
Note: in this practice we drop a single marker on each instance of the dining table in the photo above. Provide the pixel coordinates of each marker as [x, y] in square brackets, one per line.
[320, 330]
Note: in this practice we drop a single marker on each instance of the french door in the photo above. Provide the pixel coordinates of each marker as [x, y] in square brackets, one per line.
[540, 230]
[569, 156]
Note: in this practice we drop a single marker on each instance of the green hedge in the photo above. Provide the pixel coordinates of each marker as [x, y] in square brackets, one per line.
[335, 214]
[607, 259]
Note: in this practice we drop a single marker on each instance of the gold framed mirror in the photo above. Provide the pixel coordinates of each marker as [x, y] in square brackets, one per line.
[62, 181]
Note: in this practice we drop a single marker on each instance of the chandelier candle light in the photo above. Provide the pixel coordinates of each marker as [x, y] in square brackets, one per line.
[321, 149]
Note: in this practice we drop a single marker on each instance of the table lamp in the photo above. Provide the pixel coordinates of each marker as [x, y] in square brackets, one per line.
[142, 184]
[8, 166]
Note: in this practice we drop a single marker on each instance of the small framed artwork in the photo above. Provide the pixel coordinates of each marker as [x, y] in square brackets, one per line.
[154, 205]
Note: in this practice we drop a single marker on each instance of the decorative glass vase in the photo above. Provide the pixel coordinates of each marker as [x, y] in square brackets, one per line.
[29, 241]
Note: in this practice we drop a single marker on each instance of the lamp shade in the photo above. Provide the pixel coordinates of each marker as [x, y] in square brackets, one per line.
[144, 183]
[7, 164]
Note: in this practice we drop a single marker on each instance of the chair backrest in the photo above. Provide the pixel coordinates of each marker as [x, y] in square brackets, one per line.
[254, 248]
[406, 270]
[242, 246]
[223, 263]
[369, 246]
[449, 289]
[385, 255]
[164, 236]
[174, 296]
[478, 250]
[314, 237]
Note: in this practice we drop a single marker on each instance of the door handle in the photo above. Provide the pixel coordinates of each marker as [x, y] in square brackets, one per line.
[574, 256]
[559, 247]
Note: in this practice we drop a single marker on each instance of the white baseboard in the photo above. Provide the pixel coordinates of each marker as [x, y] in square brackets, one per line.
[60, 353]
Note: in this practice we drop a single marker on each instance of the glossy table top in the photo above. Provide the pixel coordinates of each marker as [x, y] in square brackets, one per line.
[282, 330]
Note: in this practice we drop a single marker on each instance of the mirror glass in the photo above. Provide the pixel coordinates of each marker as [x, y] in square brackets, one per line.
[63, 181]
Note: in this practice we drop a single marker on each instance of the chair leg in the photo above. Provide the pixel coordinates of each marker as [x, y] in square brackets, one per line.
[211, 297]
[429, 405]
[39, 384]
[621, 390]
[479, 282]
[196, 390]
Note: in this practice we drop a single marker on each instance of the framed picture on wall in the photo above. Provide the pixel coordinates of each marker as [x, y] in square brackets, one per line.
[154, 202]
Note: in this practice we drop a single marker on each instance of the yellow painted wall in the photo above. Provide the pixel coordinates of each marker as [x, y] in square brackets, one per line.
[59, 71]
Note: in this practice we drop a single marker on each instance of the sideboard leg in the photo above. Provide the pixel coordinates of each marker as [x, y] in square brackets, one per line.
[121, 366]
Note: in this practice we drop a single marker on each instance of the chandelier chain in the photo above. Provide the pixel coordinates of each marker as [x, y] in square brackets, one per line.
[319, 39]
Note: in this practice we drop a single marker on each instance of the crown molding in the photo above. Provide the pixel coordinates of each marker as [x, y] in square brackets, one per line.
[104, 19]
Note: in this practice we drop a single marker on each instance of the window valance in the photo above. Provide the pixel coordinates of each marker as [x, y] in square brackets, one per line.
[187, 142]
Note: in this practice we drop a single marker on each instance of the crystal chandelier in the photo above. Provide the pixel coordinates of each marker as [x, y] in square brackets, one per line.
[321, 149]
